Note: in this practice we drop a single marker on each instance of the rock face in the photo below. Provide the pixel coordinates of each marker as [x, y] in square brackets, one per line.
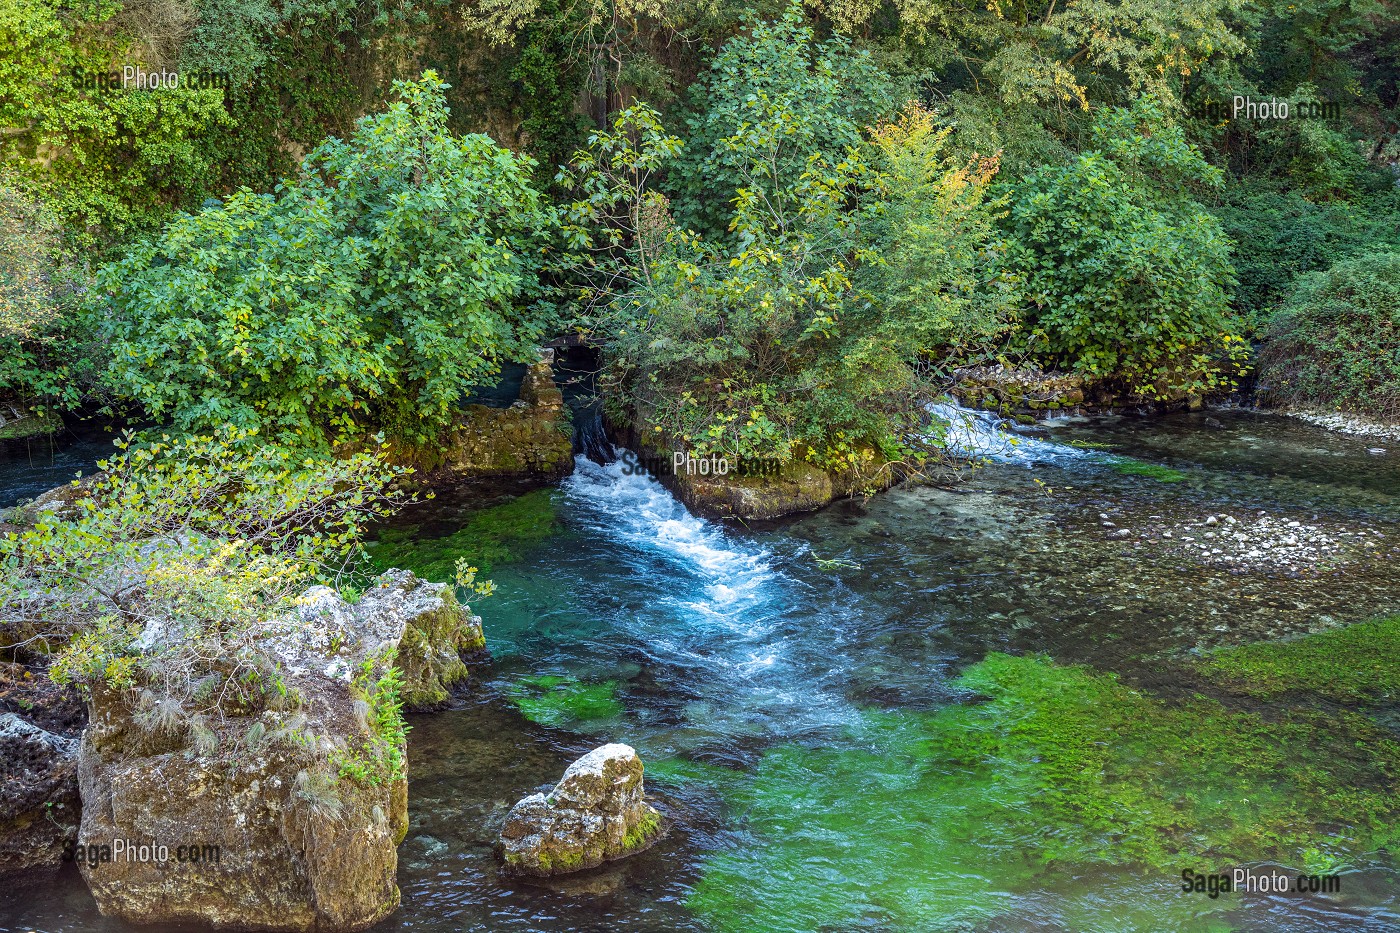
[295, 811]
[38, 794]
[795, 487]
[1030, 390]
[439, 637]
[531, 440]
[595, 814]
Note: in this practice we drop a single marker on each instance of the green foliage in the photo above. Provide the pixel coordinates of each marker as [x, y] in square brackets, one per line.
[937, 821]
[369, 293]
[487, 539]
[382, 756]
[1357, 664]
[110, 161]
[181, 560]
[565, 702]
[1279, 235]
[41, 282]
[772, 99]
[1126, 279]
[1334, 342]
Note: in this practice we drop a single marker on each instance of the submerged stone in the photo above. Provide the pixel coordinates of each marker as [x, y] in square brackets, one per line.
[595, 814]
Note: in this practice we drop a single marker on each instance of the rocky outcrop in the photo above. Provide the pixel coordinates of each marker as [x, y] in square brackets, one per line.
[1033, 392]
[595, 814]
[295, 810]
[38, 794]
[532, 439]
[18, 421]
[1002, 388]
[793, 487]
[440, 636]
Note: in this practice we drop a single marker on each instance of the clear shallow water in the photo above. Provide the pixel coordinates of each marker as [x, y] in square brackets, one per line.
[33, 465]
[749, 675]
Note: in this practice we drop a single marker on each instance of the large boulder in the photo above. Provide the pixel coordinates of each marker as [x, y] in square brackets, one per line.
[440, 636]
[290, 815]
[595, 814]
[38, 794]
[787, 489]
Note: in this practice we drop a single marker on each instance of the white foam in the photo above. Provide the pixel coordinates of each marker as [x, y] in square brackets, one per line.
[981, 435]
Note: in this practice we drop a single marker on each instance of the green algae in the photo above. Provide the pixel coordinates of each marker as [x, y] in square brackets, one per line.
[1358, 664]
[941, 820]
[551, 700]
[489, 538]
[1130, 467]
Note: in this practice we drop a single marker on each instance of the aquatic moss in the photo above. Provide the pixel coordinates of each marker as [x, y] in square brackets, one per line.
[498, 535]
[1130, 467]
[935, 821]
[552, 700]
[1358, 664]
[638, 836]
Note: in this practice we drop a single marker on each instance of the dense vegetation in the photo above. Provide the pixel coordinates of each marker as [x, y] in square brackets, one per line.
[785, 227]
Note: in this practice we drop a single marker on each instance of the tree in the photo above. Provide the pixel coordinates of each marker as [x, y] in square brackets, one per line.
[1126, 280]
[396, 272]
[799, 337]
[771, 100]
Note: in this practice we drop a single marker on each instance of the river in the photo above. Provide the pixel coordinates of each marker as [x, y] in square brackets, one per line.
[790, 685]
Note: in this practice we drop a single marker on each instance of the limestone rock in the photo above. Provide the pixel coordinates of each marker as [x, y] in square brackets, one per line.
[532, 439]
[439, 637]
[305, 804]
[38, 794]
[595, 814]
[795, 487]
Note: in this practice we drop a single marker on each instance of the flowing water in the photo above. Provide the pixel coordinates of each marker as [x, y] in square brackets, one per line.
[780, 681]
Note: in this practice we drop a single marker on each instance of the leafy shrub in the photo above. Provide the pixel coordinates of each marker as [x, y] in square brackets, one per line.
[368, 293]
[1336, 341]
[1126, 281]
[41, 283]
[180, 561]
[771, 100]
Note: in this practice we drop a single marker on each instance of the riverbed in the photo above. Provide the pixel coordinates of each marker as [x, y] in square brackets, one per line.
[792, 686]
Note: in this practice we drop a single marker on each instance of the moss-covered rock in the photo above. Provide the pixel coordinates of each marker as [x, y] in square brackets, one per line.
[532, 439]
[595, 814]
[795, 486]
[304, 803]
[18, 421]
[440, 635]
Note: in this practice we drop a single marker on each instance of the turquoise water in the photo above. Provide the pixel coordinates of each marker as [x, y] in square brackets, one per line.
[780, 682]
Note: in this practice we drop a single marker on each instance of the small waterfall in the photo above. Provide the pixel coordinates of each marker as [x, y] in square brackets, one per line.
[717, 613]
[982, 435]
